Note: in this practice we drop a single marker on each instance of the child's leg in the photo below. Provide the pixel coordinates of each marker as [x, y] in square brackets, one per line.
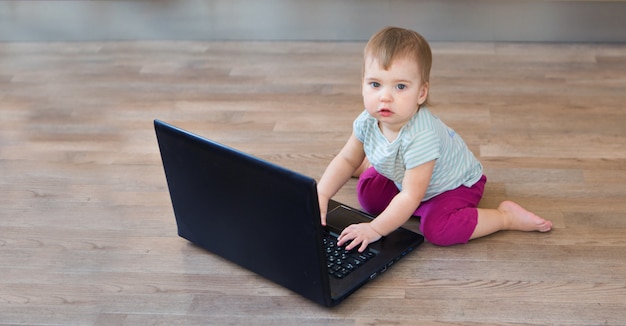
[451, 217]
[375, 191]
[447, 219]
[508, 216]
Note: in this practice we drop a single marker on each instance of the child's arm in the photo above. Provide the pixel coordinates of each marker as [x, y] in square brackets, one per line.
[338, 172]
[399, 211]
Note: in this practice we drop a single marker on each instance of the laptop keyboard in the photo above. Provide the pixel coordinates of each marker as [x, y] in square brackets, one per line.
[342, 262]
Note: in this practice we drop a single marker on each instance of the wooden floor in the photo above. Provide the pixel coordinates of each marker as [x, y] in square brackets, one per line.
[87, 233]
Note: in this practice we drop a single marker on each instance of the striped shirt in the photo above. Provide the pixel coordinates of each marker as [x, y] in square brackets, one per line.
[423, 139]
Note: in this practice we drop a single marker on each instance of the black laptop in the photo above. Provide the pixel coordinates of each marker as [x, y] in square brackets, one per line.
[266, 218]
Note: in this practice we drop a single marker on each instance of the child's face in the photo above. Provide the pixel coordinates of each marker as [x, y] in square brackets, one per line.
[393, 96]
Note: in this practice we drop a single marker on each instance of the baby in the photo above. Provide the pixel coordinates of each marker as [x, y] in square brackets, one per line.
[408, 161]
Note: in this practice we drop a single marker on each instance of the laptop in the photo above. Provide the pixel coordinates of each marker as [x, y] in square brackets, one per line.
[266, 219]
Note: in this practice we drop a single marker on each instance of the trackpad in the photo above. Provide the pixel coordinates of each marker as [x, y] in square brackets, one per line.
[342, 216]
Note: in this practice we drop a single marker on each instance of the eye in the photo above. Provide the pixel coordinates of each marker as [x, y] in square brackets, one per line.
[375, 84]
[401, 86]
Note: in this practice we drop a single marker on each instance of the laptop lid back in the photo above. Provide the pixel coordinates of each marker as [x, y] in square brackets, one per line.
[249, 211]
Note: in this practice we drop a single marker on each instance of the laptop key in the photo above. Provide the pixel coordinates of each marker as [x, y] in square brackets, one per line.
[341, 262]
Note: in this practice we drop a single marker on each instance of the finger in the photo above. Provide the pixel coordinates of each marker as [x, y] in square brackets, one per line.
[363, 246]
[344, 233]
[344, 237]
[353, 244]
[323, 218]
[342, 240]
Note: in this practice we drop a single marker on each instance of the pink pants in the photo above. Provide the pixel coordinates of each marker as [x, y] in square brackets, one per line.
[446, 219]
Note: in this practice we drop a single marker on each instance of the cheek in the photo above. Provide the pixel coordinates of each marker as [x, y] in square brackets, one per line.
[412, 98]
[364, 91]
[369, 99]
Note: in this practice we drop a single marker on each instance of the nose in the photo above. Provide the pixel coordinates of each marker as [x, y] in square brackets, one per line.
[385, 95]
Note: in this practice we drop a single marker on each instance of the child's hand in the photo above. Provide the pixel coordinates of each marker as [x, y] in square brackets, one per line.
[361, 233]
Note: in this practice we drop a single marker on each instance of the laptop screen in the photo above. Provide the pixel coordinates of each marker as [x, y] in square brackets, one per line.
[252, 212]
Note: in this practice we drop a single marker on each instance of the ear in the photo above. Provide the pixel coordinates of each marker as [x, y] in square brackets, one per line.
[423, 94]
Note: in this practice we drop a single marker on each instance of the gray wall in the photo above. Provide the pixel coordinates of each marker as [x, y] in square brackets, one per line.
[327, 20]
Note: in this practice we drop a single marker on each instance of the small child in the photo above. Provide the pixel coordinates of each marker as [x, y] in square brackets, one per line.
[408, 161]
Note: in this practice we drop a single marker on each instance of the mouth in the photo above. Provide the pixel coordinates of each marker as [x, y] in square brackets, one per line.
[385, 112]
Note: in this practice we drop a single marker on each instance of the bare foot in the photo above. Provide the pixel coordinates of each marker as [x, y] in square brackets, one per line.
[523, 220]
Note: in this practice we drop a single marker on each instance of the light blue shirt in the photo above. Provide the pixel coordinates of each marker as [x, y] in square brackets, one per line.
[423, 139]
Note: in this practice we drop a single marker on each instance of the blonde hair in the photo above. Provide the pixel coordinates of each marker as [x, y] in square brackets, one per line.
[392, 42]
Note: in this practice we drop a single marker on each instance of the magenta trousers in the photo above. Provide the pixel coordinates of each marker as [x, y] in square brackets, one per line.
[446, 219]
